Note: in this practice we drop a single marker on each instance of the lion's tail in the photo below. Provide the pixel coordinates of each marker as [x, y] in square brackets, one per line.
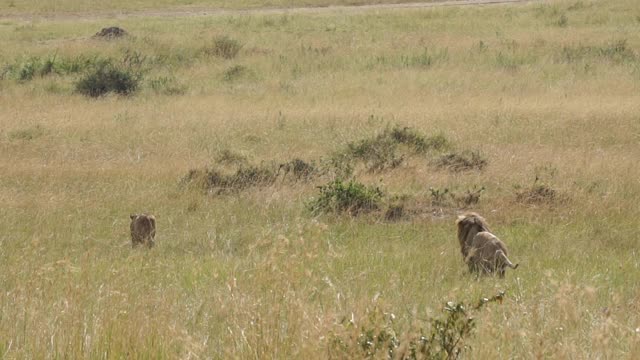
[506, 259]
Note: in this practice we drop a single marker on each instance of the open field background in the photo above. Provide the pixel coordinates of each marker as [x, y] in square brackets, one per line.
[71, 6]
[548, 90]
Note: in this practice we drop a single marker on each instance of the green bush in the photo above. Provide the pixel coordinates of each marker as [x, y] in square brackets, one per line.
[353, 198]
[380, 337]
[389, 148]
[107, 78]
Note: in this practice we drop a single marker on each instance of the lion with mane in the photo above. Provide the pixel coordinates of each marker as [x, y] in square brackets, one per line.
[482, 251]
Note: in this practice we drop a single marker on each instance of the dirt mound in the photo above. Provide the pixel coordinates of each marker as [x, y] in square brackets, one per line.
[112, 32]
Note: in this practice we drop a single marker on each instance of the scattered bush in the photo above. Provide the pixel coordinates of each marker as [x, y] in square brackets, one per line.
[110, 33]
[541, 191]
[437, 338]
[617, 52]
[300, 169]
[446, 198]
[225, 47]
[562, 21]
[234, 72]
[397, 208]
[108, 78]
[383, 151]
[29, 68]
[470, 197]
[338, 166]
[353, 198]
[229, 157]
[425, 59]
[537, 194]
[167, 86]
[464, 161]
[440, 197]
[33, 67]
[214, 181]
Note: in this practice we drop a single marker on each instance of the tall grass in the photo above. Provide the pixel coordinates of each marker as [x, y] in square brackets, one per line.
[252, 273]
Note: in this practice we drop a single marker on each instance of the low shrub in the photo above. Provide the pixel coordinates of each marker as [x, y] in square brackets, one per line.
[26, 69]
[537, 194]
[450, 199]
[388, 149]
[234, 72]
[353, 198]
[381, 337]
[167, 86]
[230, 157]
[617, 52]
[215, 181]
[463, 161]
[299, 169]
[108, 78]
[225, 47]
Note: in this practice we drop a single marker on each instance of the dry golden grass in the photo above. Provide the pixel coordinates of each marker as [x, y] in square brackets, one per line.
[253, 274]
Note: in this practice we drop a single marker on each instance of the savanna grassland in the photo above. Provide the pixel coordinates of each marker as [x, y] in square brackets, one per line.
[528, 114]
[60, 7]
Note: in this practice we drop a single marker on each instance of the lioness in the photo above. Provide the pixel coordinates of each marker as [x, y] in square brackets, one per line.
[143, 230]
[481, 250]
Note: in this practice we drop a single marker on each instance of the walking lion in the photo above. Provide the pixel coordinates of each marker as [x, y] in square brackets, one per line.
[143, 230]
[482, 251]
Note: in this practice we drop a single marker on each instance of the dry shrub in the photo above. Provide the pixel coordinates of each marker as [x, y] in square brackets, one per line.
[110, 33]
[243, 176]
[230, 157]
[215, 181]
[300, 170]
[225, 47]
[435, 203]
[463, 161]
[538, 194]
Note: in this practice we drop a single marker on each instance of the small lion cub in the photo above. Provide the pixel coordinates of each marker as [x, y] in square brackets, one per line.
[143, 230]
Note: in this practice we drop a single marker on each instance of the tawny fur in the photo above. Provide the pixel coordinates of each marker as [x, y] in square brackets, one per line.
[482, 251]
[143, 230]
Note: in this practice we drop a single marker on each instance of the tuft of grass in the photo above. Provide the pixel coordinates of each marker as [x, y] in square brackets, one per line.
[616, 52]
[167, 86]
[352, 198]
[27, 134]
[234, 72]
[463, 161]
[562, 21]
[225, 47]
[230, 157]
